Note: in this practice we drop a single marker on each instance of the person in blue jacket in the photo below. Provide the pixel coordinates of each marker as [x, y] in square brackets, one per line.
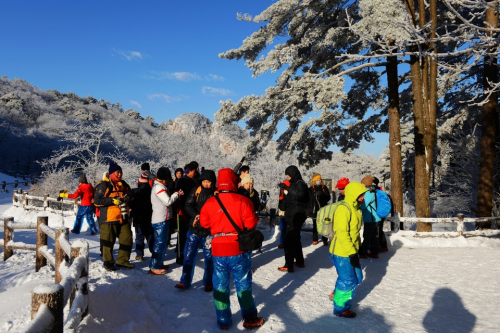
[370, 221]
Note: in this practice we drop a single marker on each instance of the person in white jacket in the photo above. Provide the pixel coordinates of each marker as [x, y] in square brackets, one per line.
[162, 201]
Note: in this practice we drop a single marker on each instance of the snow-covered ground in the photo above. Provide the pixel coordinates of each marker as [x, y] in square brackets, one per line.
[420, 285]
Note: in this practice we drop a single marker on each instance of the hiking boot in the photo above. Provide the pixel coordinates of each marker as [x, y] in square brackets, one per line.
[93, 233]
[315, 242]
[109, 268]
[281, 246]
[253, 323]
[209, 289]
[285, 269]
[301, 266]
[179, 261]
[157, 272]
[181, 286]
[325, 243]
[347, 314]
[374, 256]
[331, 296]
[383, 249]
[224, 328]
[363, 256]
[126, 265]
[165, 267]
[139, 258]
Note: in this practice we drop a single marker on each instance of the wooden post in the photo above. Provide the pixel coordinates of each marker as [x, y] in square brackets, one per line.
[45, 202]
[8, 235]
[60, 255]
[25, 200]
[75, 253]
[52, 295]
[460, 224]
[41, 240]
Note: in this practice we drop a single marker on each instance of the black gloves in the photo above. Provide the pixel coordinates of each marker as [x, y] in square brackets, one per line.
[355, 260]
[242, 159]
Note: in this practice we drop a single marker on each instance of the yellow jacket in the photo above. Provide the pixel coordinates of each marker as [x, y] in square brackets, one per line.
[347, 224]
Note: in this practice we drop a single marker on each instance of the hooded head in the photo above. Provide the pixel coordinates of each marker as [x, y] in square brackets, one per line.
[315, 177]
[208, 175]
[293, 172]
[181, 170]
[352, 191]
[227, 180]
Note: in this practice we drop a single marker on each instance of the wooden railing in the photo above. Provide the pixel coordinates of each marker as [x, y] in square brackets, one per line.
[71, 263]
[460, 220]
[24, 200]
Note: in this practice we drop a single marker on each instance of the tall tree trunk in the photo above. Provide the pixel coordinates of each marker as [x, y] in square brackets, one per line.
[489, 123]
[395, 134]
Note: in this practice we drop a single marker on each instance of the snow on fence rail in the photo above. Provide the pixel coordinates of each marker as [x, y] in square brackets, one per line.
[71, 263]
[400, 222]
[26, 201]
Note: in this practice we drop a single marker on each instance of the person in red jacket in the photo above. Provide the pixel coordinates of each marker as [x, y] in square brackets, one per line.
[226, 253]
[85, 191]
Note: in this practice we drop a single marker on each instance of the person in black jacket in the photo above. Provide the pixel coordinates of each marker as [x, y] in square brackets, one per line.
[187, 183]
[248, 191]
[319, 195]
[141, 216]
[295, 215]
[197, 235]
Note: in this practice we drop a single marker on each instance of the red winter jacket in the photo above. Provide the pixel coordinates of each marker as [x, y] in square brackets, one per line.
[86, 192]
[240, 208]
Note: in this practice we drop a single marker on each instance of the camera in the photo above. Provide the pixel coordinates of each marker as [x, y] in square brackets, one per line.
[282, 186]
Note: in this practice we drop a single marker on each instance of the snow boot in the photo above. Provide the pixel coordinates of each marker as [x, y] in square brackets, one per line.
[281, 246]
[285, 269]
[325, 243]
[253, 323]
[126, 265]
[209, 289]
[331, 296]
[347, 314]
[165, 267]
[157, 272]
[383, 249]
[301, 266]
[363, 256]
[139, 258]
[109, 268]
[315, 242]
[374, 256]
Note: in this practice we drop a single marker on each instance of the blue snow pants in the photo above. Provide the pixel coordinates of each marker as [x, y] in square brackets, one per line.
[240, 266]
[161, 234]
[190, 253]
[87, 213]
[283, 230]
[347, 281]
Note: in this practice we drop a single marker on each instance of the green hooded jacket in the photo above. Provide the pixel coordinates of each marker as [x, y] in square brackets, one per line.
[348, 223]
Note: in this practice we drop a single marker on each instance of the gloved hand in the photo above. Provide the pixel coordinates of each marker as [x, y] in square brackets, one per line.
[242, 159]
[354, 258]
[117, 201]
[62, 194]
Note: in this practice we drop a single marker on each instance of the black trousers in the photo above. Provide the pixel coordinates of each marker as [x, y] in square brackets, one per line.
[181, 239]
[382, 241]
[293, 245]
[315, 232]
[370, 238]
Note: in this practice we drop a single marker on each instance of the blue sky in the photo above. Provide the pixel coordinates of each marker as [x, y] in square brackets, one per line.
[157, 57]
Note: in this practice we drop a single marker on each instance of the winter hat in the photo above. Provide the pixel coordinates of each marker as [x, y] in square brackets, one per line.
[179, 169]
[367, 180]
[145, 166]
[375, 181]
[342, 183]
[113, 167]
[163, 174]
[227, 180]
[247, 179]
[316, 176]
[83, 179]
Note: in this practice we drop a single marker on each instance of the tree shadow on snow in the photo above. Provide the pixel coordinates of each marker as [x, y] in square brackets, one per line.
[374, 271]
[448, 313]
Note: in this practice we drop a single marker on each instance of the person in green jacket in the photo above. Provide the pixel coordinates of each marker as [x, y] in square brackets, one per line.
[344, 249]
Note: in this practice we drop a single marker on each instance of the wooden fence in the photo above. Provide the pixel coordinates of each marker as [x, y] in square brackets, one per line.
[45, 203]
[71, 263]
[460, 220]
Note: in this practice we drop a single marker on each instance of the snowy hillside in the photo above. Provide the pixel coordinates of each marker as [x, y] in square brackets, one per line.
[418, 286]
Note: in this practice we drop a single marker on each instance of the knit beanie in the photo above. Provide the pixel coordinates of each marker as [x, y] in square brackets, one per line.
[164, 174]
[83, 179]
[367, 180]
[145, 166]
[113, 167]
[316, 176]
[247, 179]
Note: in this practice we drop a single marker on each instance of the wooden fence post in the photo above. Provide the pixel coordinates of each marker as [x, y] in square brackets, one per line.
[8, 235]
[25, 200]
[45, 202]
[460, 224]
[41, 240]
[52, 295]
[60, 255]
[75, 253]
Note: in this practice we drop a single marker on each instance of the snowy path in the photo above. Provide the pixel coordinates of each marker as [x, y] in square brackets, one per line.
[448, 289]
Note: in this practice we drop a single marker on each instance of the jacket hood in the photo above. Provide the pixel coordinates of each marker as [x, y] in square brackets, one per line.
[293, 172]
[208, 175]
[352, 191]
[227, 180]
